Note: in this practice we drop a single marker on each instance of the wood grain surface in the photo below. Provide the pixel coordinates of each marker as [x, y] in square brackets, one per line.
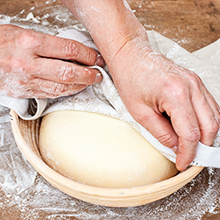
[192, 24]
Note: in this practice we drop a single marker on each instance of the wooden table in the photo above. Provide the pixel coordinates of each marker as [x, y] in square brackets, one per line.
[25, 195]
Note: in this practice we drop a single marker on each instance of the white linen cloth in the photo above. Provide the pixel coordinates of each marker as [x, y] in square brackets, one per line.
[103, 98]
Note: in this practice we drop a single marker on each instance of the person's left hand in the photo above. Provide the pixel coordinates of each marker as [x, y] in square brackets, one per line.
[40, 65]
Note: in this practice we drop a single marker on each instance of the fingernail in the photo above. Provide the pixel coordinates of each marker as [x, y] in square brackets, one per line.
[99, 61]
[182, 168]
[98, 78]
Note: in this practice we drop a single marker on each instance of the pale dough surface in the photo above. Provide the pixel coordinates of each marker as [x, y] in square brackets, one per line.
[101, 151]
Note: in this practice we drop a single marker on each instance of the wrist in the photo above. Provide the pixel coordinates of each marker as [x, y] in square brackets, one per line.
[114, 32]
[111, 23]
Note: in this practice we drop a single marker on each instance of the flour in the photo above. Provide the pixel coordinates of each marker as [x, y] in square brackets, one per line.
[31, 197]
[39, 19]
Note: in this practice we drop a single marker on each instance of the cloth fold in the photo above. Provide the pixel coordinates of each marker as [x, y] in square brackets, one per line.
[103, 98]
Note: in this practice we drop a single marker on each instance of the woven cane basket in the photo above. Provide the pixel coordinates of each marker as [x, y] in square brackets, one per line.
[26, 136]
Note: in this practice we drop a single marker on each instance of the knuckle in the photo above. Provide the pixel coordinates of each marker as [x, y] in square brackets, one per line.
[21, 81]
[27, 39]
[77, 74]
[140, 116]
[68, 73]
[23, 68]
[91, 56]
[178, 90]
[213, 126]
[166, 139]
[17, 65]
[71, 49]
[194, 80]
[90, 76]
[194, 135]
[58, 88]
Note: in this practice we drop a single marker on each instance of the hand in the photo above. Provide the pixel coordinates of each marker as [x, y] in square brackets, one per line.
[37, 65]
[151, 85]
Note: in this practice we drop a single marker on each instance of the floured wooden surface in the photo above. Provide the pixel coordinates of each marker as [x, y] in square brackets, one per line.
[24, 194]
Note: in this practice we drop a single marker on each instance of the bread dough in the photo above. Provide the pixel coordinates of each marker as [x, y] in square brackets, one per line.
[101, 151]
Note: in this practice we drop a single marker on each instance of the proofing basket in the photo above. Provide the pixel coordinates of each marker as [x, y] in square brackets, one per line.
[26, 135]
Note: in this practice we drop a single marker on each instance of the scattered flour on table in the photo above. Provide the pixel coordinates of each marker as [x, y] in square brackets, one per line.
[61, 17]
[31, 196]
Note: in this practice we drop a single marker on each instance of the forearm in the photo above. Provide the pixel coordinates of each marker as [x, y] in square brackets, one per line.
[148, 83]
[111, 24]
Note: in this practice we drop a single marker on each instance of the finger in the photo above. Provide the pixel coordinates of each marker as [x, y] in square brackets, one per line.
[29, 93]
[40, 94]
[34, 94]
[39, 88]
[207, 119]
[65, 72]
[159, 126]
[54, 89]
[57, 47]
[209, 98]
[213, 104]
[186, 126]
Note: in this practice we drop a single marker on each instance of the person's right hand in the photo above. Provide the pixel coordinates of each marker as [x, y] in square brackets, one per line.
[36, 65]
[153, 87]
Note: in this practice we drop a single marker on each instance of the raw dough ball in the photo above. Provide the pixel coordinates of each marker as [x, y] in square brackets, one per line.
[100, 151]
